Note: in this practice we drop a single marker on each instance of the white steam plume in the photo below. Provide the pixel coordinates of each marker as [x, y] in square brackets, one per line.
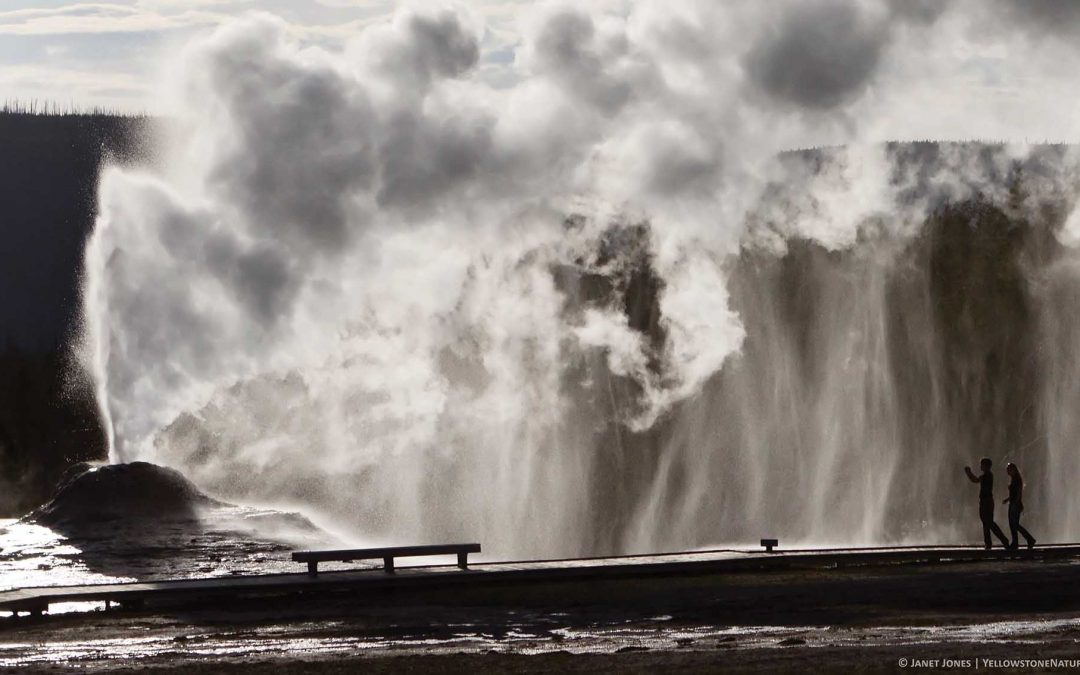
[372, 282]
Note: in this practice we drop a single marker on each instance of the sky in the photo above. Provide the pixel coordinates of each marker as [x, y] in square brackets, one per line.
[110, 53]
[949, 68]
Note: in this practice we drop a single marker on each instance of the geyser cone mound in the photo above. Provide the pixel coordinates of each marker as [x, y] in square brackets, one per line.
[139, 490]
[145, 521]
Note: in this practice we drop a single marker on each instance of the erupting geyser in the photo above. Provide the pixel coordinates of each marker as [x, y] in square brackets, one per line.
[595, 310]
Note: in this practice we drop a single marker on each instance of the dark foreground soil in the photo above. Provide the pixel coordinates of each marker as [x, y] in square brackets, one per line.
[1058, 656]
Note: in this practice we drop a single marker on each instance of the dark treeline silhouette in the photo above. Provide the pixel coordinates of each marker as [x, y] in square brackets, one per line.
[48, 421]
[53, 109]
[49, 169]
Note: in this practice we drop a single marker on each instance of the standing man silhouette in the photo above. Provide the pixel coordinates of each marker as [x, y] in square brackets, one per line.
[986, 501]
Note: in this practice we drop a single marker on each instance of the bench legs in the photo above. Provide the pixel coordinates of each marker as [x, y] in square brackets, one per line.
[312, 568]
[463, 560]
[388, 565]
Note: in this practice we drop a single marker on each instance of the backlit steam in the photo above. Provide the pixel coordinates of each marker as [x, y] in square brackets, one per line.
[586, 311]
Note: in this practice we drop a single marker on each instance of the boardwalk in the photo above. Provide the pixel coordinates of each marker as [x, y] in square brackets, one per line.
[215, 591]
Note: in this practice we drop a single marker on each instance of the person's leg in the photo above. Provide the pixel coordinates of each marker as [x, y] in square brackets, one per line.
[999, 533]
[1014, 524]
[986, 513]
[1014, 516]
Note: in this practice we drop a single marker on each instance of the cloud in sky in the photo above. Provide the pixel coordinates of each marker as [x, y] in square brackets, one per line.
[129, 40]
[105, 18]
[94, 53]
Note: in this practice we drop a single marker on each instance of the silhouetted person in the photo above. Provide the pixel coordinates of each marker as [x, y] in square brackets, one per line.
[1016, 505]
[986, 501]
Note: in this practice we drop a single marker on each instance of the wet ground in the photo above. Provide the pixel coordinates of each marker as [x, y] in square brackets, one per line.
[177, 645]
[224, 542]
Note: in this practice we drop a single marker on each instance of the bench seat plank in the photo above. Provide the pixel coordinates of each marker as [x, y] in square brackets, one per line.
[313, 558]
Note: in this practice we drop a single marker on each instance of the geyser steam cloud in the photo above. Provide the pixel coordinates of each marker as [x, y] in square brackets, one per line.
[433, 303]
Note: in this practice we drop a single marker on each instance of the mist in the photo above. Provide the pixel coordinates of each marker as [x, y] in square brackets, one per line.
[596, 304]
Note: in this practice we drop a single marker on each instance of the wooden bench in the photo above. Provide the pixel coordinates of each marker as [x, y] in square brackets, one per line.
[313, 558]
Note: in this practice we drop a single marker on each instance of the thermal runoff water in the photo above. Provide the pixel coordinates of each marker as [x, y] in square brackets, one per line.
[584, 294]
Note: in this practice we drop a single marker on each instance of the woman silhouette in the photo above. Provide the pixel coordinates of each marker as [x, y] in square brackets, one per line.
[1016, 505]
